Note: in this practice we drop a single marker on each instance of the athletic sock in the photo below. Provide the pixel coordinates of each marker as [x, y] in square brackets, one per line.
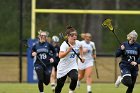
[53, 86]
[88, 88]
[78, 83]
[41, 92]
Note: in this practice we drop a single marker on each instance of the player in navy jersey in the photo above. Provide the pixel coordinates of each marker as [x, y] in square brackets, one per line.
[129, 52]
[43, 59]
[55, 43]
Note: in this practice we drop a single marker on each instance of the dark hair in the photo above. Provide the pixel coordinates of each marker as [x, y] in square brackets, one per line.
[70, 29]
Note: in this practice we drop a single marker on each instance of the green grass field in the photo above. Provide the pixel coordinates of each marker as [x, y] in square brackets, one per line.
[32, 88]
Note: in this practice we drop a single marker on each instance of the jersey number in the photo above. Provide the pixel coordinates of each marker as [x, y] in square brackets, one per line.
[132, 58]
[43, 56]
[72, 55]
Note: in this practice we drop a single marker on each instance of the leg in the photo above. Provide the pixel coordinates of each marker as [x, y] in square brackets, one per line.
[81, 74]
[60, 84]
[53, 78]
[127, 80]
[73, 74]
[125, 77]
[89, 78]
[130, 88]
[47, 75]
[40, 75]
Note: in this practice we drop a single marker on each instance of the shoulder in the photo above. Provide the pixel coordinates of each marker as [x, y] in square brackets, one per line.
[137, 44]
[78, 43]
[35, 44]
[64, 44]
[91, 42]
[125, 43]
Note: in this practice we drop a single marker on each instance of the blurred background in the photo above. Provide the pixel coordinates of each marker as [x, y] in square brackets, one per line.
[15, 28]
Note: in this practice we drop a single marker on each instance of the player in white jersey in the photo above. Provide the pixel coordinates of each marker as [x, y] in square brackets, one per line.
[89, 54]
[67, 65]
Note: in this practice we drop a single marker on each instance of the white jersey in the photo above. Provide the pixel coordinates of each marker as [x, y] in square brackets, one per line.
[90, 46]
[67, 63]
[88, 56]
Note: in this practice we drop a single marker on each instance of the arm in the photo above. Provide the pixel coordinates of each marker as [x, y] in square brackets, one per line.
[33, 53]
[94, 50]
[62, 54]
[81, 54]
[138, 61]
[120, 51]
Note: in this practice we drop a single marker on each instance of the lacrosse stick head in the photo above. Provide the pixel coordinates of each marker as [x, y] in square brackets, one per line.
[107, 23]
[61, 35]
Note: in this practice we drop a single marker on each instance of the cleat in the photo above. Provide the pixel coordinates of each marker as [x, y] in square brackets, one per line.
[118, 81]
[89, 92]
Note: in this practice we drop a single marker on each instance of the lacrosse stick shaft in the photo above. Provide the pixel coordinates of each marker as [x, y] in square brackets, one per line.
[116, 37]
[61, 35]
[96, 69]
[41, 61]
[75, 52]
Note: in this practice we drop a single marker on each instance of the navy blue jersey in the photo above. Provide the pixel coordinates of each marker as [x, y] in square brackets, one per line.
[44, 51]
[131, 52]
[57, 49]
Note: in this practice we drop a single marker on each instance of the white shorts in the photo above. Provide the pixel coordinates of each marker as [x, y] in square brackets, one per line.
[85, 65]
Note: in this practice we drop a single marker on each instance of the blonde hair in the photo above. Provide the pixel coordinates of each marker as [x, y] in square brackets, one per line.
[132, 34]
[88, 34]
[83, 35]
[40, 31]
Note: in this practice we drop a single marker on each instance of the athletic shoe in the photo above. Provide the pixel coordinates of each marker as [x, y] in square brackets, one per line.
[89, 92]
[53, 87]
[118, 81]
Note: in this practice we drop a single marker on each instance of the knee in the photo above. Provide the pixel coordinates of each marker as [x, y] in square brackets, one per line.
[74, 77]
[47, 82]
[60, 83]
[80, 76]
[88, 76]
[40, 82]
[47, 79]
[127, 81]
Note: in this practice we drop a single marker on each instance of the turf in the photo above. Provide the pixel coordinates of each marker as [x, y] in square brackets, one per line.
[32, 88]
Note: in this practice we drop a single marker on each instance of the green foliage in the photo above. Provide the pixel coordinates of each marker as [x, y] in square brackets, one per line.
[56, 23]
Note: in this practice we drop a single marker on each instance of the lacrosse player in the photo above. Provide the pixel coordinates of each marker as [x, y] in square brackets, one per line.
[129, 52]
[83, 36]
[89, 53]
[55, 43]
[43, 68]
[67, 65]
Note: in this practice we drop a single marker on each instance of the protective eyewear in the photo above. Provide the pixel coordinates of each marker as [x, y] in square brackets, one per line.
[73, 34]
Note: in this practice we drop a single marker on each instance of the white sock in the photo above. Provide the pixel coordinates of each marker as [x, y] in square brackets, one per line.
[41, 92]
[88, 88]
[70, 91]
[78, 82]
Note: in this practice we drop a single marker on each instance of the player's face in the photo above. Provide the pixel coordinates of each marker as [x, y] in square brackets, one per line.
[88, 37]
[42, 37]
[72, 37]
[132, 39]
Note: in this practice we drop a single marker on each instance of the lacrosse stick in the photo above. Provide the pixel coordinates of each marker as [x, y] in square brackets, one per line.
[96, 69]
[27, 46]
[107, 23]
[62, 36]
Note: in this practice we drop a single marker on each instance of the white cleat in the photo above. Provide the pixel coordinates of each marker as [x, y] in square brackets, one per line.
[118, 81]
